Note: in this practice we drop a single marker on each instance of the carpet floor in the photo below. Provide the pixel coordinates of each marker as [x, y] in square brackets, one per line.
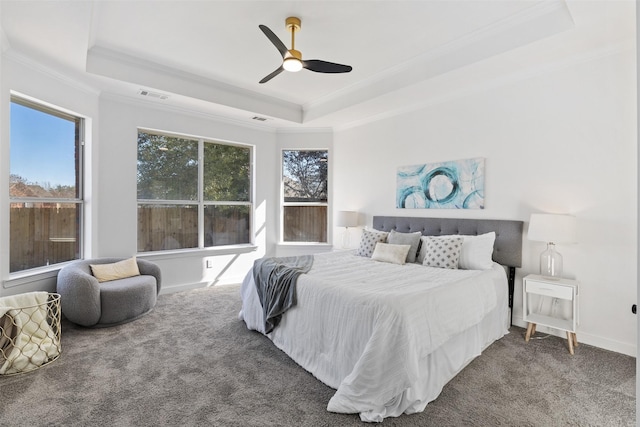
[191, 362]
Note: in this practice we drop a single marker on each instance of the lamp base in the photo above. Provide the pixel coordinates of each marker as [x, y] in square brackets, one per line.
[551, 263]
[346, 238]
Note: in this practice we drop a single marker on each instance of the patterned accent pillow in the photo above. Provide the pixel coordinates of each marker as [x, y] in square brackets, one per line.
[368, 241]
[476, 252]
[442, 253]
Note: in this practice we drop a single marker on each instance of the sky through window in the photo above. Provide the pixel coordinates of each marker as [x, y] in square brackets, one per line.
[42, 147]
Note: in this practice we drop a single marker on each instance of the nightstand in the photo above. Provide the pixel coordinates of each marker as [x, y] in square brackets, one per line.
[536, 291]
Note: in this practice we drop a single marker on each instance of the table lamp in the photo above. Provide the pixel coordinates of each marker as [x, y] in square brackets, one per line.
[552, 229]
[346, 219]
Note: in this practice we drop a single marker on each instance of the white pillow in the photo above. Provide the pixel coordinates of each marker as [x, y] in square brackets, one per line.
[368, 241]
[477, 252]
[442, 252]
[386, 252]
[119, 270]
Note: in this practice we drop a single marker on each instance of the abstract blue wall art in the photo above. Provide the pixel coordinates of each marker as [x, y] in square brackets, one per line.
[457, 184]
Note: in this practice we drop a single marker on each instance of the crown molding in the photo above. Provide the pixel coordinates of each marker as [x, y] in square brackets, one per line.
[197, 113]
[4, 41]
[294, 130]
[220, 118]
[108, 63]
[64, 77]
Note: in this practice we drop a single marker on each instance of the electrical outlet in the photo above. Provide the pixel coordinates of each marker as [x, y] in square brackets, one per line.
[209, 263]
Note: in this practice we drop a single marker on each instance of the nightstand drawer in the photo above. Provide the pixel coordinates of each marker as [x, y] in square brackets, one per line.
[554, 291]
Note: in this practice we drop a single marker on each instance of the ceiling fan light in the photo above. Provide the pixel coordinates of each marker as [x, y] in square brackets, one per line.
[292, 64]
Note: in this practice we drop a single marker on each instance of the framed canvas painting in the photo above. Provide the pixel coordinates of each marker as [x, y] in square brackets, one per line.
[456, 184]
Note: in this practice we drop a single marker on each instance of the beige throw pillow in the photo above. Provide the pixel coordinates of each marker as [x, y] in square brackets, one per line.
[386, 252]
[115, 271]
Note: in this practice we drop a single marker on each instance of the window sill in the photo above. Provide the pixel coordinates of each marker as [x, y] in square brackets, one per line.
[187, 253]
[32, 275]
[294, 247]
[51, 272]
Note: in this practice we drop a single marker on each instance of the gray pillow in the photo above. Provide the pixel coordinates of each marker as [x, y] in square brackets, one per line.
[411, 239]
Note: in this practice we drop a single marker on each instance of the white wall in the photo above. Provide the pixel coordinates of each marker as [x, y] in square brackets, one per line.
[561, 141]
[111, 177]
[22, 75]
[637, 26]
[115, 160]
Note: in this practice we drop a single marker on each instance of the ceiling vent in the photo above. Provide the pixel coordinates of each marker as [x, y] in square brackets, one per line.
[150, 94]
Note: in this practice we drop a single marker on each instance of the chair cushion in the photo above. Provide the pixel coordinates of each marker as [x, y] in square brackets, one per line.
[117, 270]
[126, 299]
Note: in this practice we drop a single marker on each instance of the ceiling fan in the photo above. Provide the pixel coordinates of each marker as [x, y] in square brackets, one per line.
[292, 58]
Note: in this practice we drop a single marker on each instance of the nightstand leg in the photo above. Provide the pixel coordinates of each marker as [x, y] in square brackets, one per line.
[570, 341]
[575, 339]
[531, 329]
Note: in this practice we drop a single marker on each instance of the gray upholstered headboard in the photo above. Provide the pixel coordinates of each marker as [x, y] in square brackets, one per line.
[506, 251]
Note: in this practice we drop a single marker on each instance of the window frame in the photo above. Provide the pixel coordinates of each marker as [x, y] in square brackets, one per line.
[284, 204]
[199, 202]
[79, 200]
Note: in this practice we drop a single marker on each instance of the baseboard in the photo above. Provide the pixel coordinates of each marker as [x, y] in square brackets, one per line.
[607, 344]
[190, 286]
[181, 288]
[584, 338]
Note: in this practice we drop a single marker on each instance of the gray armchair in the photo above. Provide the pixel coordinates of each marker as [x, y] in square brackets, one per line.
[87, 302]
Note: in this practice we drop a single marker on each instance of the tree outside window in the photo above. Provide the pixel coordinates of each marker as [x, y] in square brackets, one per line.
[185, 202]
[305, 195]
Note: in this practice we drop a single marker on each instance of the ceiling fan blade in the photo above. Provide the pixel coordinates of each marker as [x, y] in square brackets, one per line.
[274, 39]
[325, 67]
[272, 75]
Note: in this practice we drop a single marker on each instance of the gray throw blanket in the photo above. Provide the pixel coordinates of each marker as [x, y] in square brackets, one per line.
[276, 280]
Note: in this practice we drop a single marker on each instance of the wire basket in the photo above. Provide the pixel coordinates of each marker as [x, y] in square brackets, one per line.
[30, 333]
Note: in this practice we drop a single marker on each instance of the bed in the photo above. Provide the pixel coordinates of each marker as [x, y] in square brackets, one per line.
[388, 336]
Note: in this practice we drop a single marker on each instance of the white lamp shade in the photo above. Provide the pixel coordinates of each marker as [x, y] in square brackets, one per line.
[552, 228]
[347, 219]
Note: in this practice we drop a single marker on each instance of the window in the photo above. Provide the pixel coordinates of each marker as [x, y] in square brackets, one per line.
[45, 186]
[192, 193]
[305, 199]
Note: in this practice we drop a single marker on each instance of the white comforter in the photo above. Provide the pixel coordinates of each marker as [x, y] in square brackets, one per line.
[368, 328]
